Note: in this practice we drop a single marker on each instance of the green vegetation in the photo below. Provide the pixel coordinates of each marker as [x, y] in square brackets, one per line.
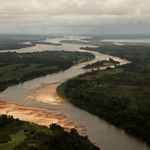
[46, 43]
[129, 52]
[10, 41]
[103, 63]
[120, 96]
[73, 42]
[27, 136]
[19, 67]
[15, 139]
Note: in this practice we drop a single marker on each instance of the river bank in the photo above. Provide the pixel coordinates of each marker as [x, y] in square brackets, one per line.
[38, 116]
[98, 130]
[22, 67]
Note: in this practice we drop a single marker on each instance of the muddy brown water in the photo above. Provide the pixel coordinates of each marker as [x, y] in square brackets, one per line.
[99, 131]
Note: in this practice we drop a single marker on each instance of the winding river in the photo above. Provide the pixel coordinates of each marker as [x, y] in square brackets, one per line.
[99, 131]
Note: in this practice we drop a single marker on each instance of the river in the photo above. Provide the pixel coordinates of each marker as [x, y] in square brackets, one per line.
[99, 131]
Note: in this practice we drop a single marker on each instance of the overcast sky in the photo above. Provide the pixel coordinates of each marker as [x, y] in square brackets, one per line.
[75, 16]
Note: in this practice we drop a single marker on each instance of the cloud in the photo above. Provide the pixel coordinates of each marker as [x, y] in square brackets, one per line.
[53, 7]
[48, 13]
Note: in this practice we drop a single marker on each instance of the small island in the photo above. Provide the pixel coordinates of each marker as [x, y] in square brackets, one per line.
[46, 43]
[103, 63]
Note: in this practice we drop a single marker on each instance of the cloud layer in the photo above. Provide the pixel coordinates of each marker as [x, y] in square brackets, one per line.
[67, 15]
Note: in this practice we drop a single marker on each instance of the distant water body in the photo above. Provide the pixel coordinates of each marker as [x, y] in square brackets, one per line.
[131, 41]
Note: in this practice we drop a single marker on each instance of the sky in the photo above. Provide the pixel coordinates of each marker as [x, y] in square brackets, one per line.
[75, 16]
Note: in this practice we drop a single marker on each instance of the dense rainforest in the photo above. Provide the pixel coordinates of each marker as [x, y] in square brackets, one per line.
[121, 95]
[19, 67]
[21, 135]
